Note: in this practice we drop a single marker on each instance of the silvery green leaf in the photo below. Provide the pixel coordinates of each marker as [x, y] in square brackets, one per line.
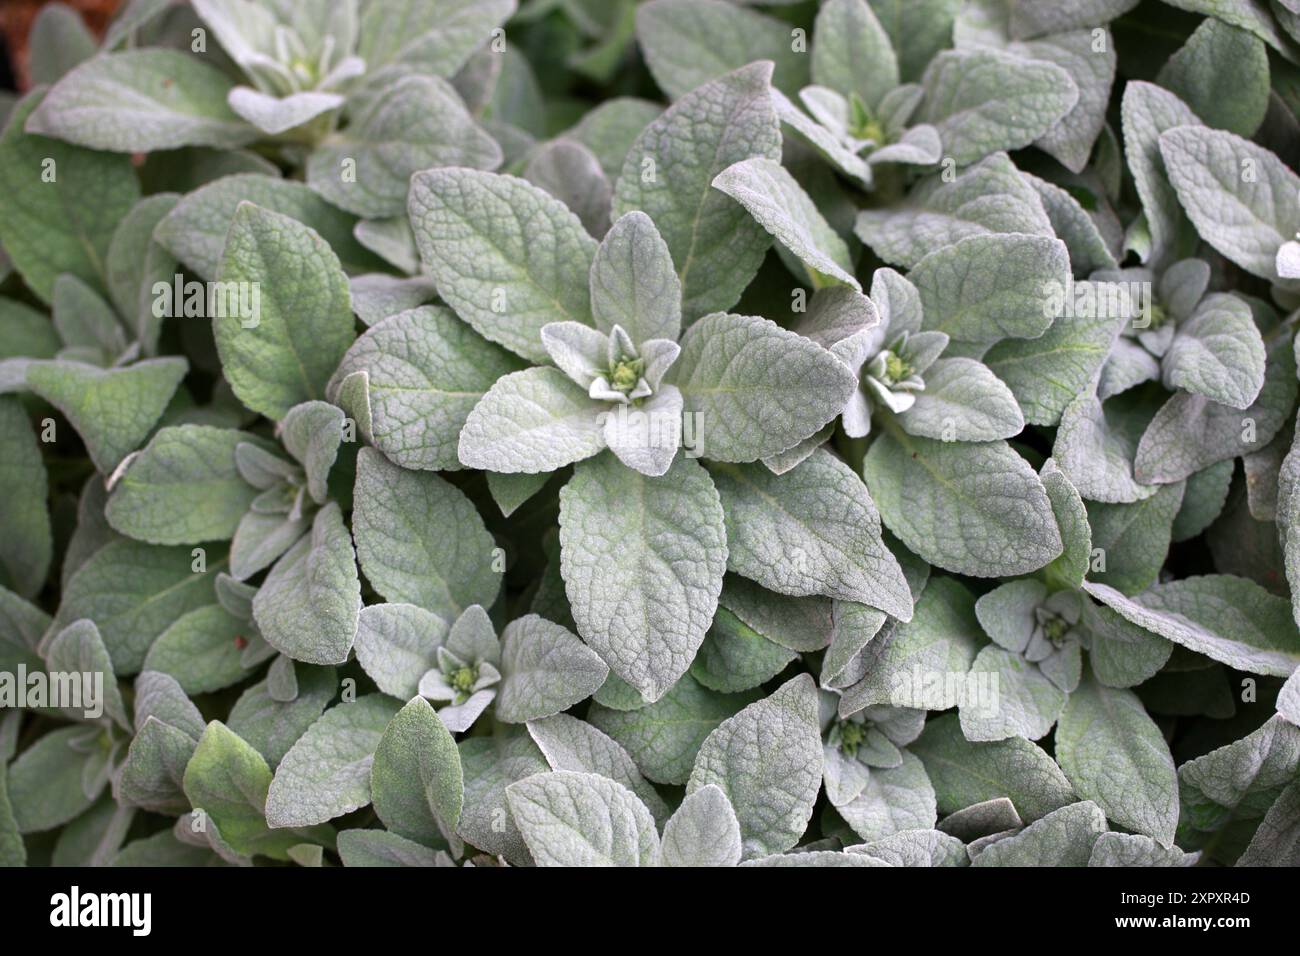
[802, 624]
[274, 115]
[571, 173]
[716, 246]
[1277, 839]
[1095, 447]
[201, 649]
[780, 205]
[1217, 352]
[895, 799]
[415, 779]
[771, 782]
[735, 657]
[371, 848]
[1191, 432]
[419, 122]
[966, 773]
[1072, 520]
[1245, 217]
[643, 560]
[1022, 701]
[916, 848]
[852, 53]
[1203, 500]
[813, 530]
[151, 775]
[419, 539]
[963, 401]
[1147, 112]
[22, 625]
[113, 410]
[84, 320]
[665, 736]
[938, 497]
[536, 420]
[1240, 780]
[1262, 472]
[1090, 249]
[160, 696]
[991, 196]
[426, 371]
[78, 649]
[285, 352]
[1064, 837]
[1030, 18]
[914, 664]
[1136, 849]
[227, 779]
[308, 605]
[1134, 538]
[1114, 754]
[376, 296]
[49, 231]
[687, 43]
[741, 374]
[610, 128]
[44, 782]
[141, 101]
[490, 764]
[508, 257]
[633, 282]
[823, 140]
[1221, 72]
[260, 539]
[815, 858]
[58, 41]
[135, 262]
[1093, 71]
[703, 831]
[1122, 653]
[182, 488]
[985, 101]
[273, 726]
[988, 287]
[1288, 699]
[1226, 618]
[982, 819]
[582, 819]
[27, 545]
[544, 669]
[282, 680]
[195, 230]
[647, 440]
[397, 644]
[434, 36]
[510, 491]
[312, 433]
[1047, 373]
[134, 592]
[571, 744]
[327, 772]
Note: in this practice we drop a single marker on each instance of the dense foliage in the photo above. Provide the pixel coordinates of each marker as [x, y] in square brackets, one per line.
[670, 433]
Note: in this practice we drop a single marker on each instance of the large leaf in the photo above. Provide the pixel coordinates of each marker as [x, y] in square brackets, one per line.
[1114, 754]
[285, 354]
[668, 174]
[138, 101]
[767, 759]
[582, 819]
[756, 388]
[419, 539]
[415, 780]
[27, 544]
[327, 772]
[1226, 618]
[508, 257]
[813, 530]
[976, 509]
[425, 371]
[643, 560]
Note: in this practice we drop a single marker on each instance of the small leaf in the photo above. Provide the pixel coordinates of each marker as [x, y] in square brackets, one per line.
[416, 777]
